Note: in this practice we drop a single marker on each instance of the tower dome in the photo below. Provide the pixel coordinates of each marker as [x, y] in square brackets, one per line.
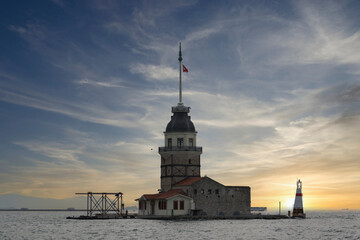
[180, 122]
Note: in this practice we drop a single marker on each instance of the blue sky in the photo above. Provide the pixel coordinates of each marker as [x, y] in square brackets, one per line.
[86, 89]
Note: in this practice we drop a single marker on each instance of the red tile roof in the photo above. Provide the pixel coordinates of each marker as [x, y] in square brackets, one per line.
[187, 181]
[165, 195]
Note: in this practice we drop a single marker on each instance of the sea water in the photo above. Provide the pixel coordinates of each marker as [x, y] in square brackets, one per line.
[54, 225]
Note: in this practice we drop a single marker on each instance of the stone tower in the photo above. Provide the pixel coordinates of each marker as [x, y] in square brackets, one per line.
[180, 157]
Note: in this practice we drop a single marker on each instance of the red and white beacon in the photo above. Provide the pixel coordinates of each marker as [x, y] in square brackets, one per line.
[298, 205]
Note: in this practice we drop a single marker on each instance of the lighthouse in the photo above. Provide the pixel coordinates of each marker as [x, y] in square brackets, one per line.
[298, 205]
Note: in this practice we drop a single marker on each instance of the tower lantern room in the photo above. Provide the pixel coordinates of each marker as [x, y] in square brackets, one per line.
[180, 156]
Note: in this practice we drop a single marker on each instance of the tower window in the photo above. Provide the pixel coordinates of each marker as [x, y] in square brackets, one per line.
[180, 142]
[191, 142]
[169, 142]
[189, 161]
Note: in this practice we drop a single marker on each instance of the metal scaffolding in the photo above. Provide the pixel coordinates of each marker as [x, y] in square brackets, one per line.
[104, 203]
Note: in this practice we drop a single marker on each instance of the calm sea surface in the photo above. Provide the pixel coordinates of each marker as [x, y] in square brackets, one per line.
[54, 225]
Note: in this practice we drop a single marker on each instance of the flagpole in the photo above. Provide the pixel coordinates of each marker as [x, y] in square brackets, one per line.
[180, 83]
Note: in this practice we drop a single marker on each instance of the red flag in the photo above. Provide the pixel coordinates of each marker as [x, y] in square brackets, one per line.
[185, 69]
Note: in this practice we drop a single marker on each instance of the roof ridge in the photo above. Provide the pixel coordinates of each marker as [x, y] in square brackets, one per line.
[165, 195]
[187, 181]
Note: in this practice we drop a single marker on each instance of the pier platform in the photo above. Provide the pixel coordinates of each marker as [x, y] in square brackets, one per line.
[152, 217]
[240, 217]
[103, 217]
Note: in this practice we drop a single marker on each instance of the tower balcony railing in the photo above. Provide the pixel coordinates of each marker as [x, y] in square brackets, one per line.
[182, 148]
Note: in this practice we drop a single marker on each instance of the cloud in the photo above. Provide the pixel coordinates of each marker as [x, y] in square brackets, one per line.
[341, 94]
[86, 81]
[202, 33]
[114, 27]
[88, 112]
[33, 33]
[155, 72]
[81, 162]
[53, 150]
[147, 13]
[62, 180]
[230, 111]
[321, 35]
[315, 138]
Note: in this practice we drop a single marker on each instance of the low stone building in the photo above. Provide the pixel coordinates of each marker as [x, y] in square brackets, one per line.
[181, 179]
[214, 199]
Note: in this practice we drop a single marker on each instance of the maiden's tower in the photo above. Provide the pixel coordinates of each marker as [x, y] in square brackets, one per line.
[183, 191]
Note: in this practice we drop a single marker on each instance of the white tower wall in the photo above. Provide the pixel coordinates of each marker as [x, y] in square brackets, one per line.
[298, 205]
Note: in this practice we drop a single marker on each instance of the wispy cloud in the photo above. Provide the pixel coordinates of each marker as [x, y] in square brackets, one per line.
[85, 112]
[53, 150]
[82, 163]
[153, 72]
[321, 35]
[202, 34]
[30, 32]
[86, 81]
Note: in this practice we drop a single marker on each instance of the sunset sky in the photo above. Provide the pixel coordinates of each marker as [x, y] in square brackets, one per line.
[86, 89]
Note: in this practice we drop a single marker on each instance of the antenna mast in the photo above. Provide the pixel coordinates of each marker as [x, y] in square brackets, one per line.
[180, 84]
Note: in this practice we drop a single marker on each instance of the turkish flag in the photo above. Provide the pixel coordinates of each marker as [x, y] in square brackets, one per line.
[185, 69]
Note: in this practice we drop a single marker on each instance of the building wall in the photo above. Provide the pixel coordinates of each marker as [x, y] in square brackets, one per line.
[215, 199]
[188, 203]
